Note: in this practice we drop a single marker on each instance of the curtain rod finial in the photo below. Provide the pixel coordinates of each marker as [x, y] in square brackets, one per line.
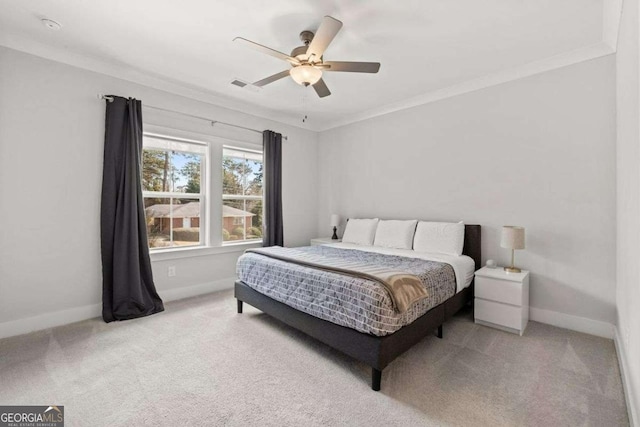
[105, 97]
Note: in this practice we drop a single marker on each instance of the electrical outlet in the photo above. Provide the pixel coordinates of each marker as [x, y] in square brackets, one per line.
[171, 272]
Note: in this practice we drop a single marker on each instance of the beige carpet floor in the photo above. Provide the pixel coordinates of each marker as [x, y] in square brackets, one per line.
[200, 363]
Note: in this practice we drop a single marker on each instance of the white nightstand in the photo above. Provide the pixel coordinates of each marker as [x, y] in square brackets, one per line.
[324, 241]
[502, 299]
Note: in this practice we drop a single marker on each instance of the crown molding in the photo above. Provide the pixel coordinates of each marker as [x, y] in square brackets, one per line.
[612, 10]
[500, 77]
[145, 78]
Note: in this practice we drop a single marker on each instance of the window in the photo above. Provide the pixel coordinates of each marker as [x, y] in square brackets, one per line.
[174, 191]
[241, 195]
[183, 193]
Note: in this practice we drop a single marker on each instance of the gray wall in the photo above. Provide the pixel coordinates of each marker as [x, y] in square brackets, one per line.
[51, 141]
[537, 152]
[628, 190]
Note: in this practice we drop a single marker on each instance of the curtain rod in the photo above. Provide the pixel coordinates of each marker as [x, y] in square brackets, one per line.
[213, 122]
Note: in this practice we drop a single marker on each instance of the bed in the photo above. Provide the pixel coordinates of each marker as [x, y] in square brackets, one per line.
[377, 345]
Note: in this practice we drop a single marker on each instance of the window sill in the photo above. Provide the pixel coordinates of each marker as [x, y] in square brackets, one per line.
[168, 254]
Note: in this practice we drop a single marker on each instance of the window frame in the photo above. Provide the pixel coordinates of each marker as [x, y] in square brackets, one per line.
[213, 179]
[202, 196]
[245, 198]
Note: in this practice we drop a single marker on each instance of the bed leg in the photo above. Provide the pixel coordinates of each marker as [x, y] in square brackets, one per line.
[239, 306]
[439, 333]
[376, 379]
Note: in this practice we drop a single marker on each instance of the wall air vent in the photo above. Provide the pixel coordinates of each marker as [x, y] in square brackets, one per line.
[238, 83]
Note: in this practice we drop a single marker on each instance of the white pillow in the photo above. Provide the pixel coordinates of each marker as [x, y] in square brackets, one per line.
[440, 237]
[395, 234]
[360, 231]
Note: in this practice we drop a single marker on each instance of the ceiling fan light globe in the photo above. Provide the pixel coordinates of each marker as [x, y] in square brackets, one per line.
[305, 74]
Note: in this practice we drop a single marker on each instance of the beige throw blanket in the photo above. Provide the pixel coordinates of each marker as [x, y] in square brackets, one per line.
[404, 288]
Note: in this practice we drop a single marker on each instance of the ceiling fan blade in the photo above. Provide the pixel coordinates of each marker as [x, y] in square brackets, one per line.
[328, 29]
[272, 79]
[354, 67]
[267, 50]
[321, 89]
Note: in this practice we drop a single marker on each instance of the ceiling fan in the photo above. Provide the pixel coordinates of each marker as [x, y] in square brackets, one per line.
[307, 62]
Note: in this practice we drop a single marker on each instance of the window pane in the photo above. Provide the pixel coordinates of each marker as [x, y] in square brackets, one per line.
[186, 222]
[241, 220]
[172, 222]
[158, 215]
[188, 167]
[171, 171]
[255, 230]
[242, 173]
[155, 170]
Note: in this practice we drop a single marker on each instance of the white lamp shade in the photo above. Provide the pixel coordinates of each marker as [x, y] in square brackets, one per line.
[335, 220]
[512, 237]
[305, 74]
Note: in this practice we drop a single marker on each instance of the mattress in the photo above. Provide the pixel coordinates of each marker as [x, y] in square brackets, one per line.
[463, 266]
[356, 303]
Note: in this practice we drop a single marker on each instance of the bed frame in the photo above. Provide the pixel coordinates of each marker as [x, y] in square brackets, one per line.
[373, 350]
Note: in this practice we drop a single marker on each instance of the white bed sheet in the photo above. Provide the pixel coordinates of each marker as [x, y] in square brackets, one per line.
[463, 266]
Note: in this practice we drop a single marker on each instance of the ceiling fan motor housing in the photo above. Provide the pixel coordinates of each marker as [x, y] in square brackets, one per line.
[300, 50]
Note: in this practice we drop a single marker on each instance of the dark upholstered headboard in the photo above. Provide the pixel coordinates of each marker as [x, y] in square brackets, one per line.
[473, 243]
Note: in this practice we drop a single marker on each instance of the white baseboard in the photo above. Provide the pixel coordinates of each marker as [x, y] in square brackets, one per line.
[629, 394]
[575, 323]
[191, 291]
[76, 314]
[49, 320]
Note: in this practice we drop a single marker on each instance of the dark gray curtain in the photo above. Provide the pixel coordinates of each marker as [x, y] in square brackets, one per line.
[128, 290]
[273, 230]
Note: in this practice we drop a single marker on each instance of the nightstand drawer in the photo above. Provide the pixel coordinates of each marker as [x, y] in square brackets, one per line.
[499, 314]
[498, 290]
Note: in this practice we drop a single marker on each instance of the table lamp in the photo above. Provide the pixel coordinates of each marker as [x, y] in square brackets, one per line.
[335, 222]
[512, 238]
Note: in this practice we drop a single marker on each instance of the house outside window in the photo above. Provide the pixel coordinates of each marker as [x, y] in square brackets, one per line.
[174, 191]
[242, 195]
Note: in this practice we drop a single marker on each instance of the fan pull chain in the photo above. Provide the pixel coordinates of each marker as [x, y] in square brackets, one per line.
[304, 107]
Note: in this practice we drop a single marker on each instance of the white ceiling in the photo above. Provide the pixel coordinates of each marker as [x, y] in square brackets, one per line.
[424, 46]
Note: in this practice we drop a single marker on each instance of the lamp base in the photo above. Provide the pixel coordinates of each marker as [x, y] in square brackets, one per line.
[335, 235]
[512, 270]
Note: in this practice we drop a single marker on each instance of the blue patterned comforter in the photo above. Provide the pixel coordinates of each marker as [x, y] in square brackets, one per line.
[357, 303]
